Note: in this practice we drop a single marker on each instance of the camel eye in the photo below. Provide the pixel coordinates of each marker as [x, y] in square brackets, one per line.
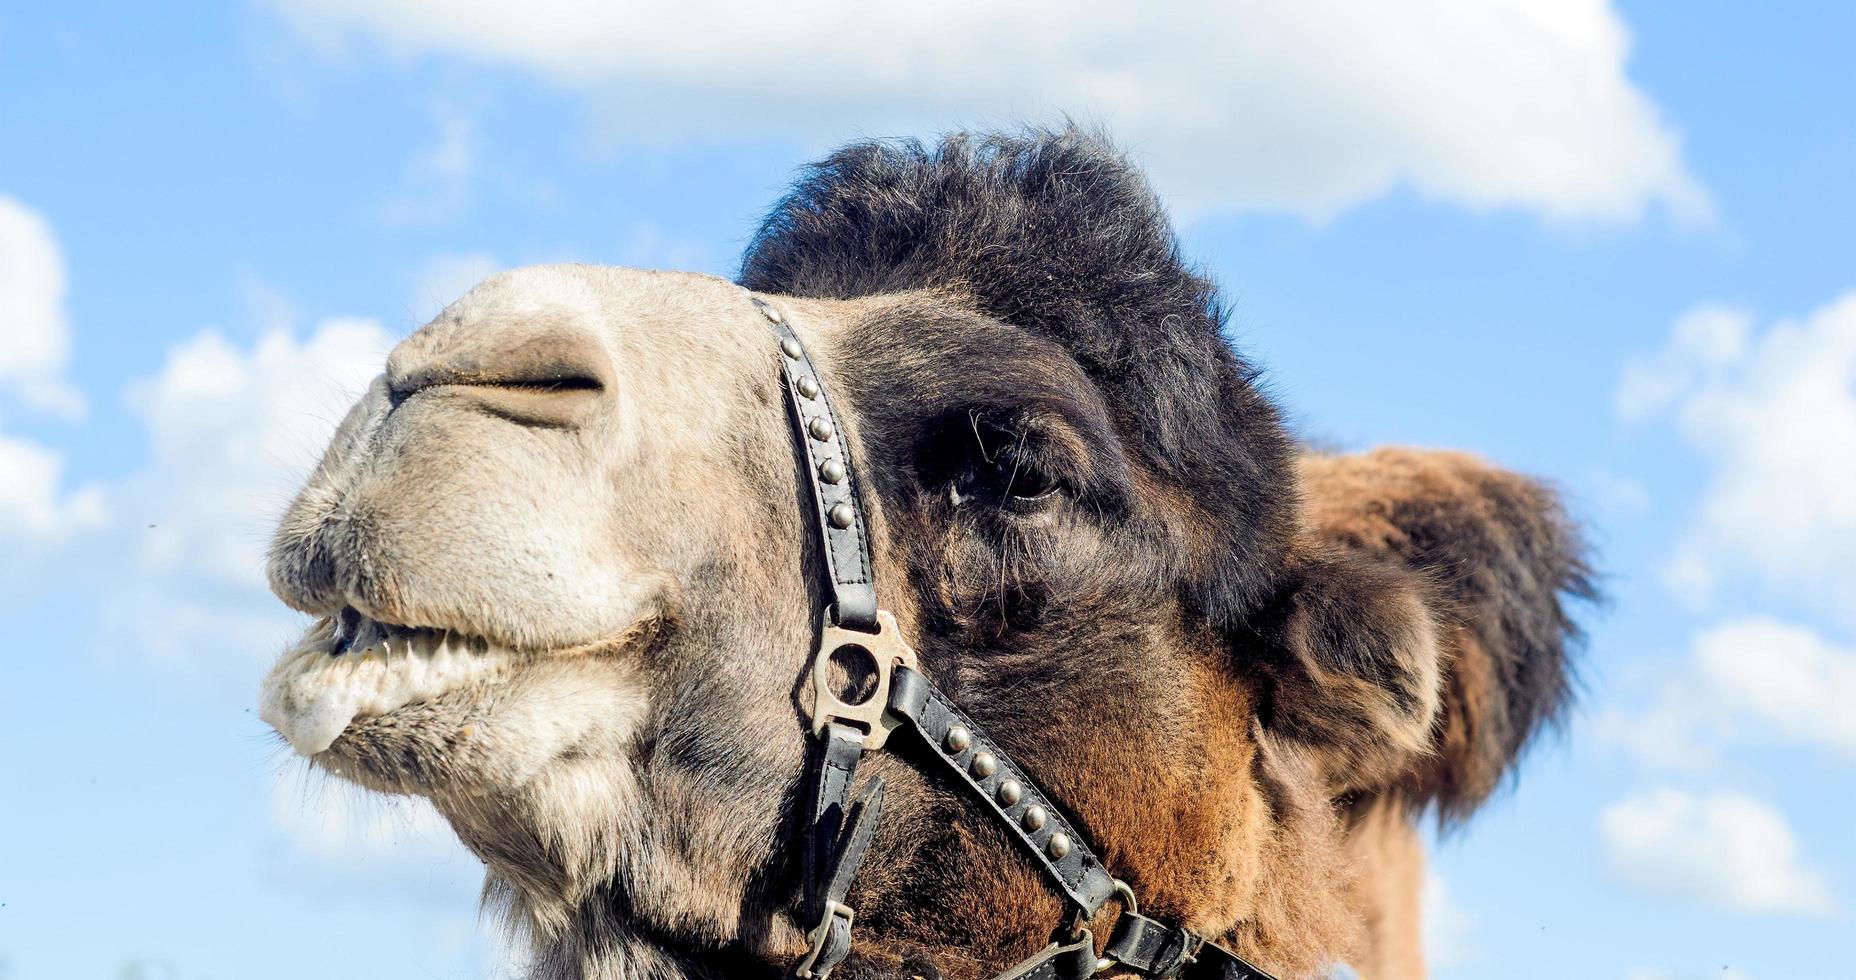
[1003, 467]
[1023, 480]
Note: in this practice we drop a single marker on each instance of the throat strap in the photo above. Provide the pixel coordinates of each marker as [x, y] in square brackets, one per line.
[1003, 789]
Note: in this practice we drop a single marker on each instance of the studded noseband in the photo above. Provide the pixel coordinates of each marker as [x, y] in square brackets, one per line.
[839, 824]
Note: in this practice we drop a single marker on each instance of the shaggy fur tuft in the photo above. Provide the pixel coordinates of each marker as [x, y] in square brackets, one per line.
[1501, 557]
[1057, 233]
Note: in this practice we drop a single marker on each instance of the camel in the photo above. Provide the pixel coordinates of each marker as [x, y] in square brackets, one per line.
[565, 577]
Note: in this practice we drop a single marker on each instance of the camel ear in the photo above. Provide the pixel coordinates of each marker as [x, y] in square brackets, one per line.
[1351, 655]
[1421, 639]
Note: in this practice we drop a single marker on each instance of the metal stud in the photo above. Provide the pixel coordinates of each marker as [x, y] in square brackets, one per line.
[792, 348]
[1034, 817]
[1058, 846]
[958, 738]
[807, 387]
[767, 310]
[831, 471]
[1010, 792]
[985, 764]
[841, 514]
[820, 429]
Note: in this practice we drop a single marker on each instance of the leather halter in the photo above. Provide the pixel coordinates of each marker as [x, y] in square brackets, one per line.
[839, 825]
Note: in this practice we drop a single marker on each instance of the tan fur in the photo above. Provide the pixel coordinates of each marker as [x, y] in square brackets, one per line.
[1388, 858]
[639, 535]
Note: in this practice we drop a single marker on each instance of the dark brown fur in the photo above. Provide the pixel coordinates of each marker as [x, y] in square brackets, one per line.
[1244, 671]
[1199, 666]
[1500, 553]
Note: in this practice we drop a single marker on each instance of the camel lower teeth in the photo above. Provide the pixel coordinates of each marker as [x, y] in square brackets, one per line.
[311, 696]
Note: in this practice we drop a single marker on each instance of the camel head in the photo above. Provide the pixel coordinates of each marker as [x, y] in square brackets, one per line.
[566, 583]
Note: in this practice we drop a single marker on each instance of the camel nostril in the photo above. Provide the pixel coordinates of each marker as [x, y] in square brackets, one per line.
[548, 378]
[539, 383]
[546, 385]
[544, 402]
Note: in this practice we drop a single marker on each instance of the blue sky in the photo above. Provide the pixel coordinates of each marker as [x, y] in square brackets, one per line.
[1609, 244]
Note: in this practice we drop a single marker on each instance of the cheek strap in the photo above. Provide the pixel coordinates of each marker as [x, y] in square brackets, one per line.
[832, 478]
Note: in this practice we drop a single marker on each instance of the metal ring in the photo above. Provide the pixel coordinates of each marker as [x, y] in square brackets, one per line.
[1129, 906]
[1128, 902]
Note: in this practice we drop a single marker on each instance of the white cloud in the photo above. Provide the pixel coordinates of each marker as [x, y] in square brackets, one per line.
[35, 345]
[1773, 412]
[32, 505]
[1705, 345]
[1305, 106]
[1724, 849]
[1786, 678]
[35, 335]
[1747, 679]
[232, 432]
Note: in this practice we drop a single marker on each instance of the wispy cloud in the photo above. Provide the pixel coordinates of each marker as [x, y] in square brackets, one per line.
[439, 179]
[650, 247]
[1280, 105]
[34, 505]
[1651, 973]
[1723, 849]
[1772, 411]
[232, 431]
[1747, 680]
[36, 508]
[442, 278]
[336, 822]
[32, 314]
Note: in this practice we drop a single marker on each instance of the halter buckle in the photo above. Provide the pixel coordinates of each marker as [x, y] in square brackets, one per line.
[819, 937]
[886, 649]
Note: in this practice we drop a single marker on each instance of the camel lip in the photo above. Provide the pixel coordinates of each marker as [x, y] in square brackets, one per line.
[352, 631]
[355, 632]
[349, 667]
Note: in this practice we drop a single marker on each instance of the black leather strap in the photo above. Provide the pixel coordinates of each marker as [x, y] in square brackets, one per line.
[1071, 960]
[832, 477]
[833, 771]
[836, 843]
[1214, 962]
[854, 844]
[1076, 871]
[1158, 949]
